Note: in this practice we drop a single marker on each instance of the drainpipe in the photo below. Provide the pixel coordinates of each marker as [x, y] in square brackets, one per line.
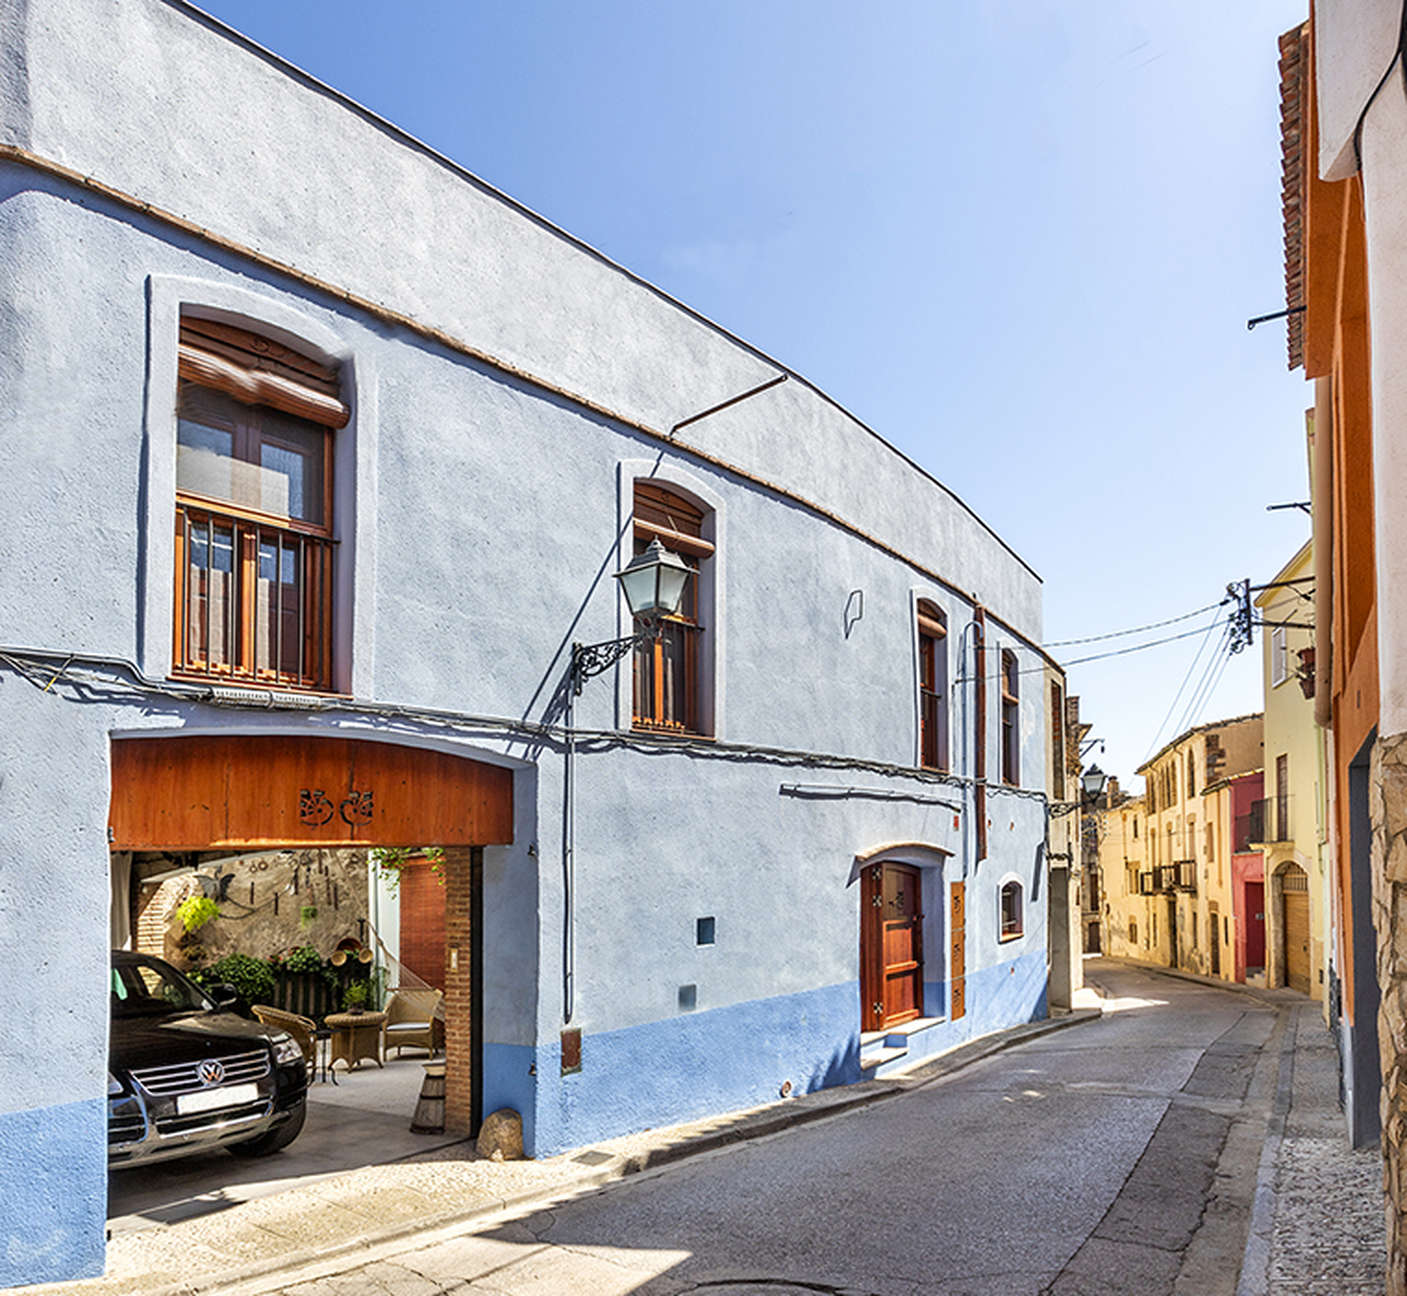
[1323, 492]
[569, 861]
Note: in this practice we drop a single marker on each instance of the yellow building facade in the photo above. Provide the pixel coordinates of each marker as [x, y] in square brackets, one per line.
[1167, 857]
[1122, 830]
[1291, 817]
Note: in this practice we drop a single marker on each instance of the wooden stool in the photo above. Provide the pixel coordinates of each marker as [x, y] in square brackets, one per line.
[429, 1115]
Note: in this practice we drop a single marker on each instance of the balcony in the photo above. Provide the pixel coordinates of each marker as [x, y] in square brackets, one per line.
[253, 601]
[1267, 822]
[1148, 882]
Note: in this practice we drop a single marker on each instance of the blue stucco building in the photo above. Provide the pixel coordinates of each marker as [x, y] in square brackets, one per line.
[312, 436]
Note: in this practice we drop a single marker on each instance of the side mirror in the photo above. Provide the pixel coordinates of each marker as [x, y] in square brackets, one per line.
[224, 995]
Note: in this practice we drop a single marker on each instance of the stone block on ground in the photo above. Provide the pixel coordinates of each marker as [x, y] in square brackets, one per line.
[501, 1136]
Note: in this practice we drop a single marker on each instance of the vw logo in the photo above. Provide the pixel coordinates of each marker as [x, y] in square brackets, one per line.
[211, 1072]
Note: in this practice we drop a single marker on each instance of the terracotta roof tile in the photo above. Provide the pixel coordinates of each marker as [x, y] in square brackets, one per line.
[1294, 82]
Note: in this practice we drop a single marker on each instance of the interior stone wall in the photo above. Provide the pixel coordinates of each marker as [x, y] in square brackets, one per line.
[274, 903]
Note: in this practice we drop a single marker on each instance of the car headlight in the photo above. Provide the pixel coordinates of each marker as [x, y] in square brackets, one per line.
[114, 1085]
[286, 1050]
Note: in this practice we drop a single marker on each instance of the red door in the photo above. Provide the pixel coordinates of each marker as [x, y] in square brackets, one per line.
[891, 946]
[1255, 924]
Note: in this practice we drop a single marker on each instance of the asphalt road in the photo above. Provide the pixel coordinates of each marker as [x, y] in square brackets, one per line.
[1116, 1157]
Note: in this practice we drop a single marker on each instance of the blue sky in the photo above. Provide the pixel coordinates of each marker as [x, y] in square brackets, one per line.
[1020, 240]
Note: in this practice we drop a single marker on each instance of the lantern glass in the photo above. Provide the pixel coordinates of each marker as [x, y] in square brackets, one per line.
[639, 586]
[1093, 780]
[654, 582]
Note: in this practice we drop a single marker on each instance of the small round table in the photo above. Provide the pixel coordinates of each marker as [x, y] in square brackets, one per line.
[355, 1036]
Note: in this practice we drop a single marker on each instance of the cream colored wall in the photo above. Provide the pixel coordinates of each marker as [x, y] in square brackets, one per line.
[1215, 879]
[1121, 852]
[1177, 830]
[1290, 731]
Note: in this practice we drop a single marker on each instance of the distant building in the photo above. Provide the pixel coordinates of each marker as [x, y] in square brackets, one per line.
[1121, 833]
[1181, 848]
[1291, 818]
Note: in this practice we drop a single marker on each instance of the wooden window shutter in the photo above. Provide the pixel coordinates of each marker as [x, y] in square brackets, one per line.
[259, 371]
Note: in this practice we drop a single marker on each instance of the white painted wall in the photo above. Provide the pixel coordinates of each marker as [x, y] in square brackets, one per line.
[1355, 45]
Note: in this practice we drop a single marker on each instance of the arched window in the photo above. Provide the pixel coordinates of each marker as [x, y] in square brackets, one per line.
[1011, 719]
[1013, 918]
[1191, 776]
[932, 685]
[668, 674]
[254, 536]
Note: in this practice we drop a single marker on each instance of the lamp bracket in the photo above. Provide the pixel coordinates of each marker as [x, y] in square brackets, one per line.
[591, 659]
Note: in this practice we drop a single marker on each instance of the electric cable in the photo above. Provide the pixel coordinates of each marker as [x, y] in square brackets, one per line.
[1211, 677]
[1192, 666]
[1119, 634]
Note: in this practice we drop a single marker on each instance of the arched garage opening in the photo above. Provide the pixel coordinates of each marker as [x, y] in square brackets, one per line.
[309, 797]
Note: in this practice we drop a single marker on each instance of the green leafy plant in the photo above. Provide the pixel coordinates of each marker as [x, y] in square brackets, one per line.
[253, 978]
[355, 996]
[390, 860]
[195, 911]
[304, 959]
[306, 915]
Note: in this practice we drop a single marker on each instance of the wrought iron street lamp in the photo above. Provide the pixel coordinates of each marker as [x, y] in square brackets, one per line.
[653, 583]
[1093, 781]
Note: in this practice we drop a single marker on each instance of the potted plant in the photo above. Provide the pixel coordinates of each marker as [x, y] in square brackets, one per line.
[355, 996]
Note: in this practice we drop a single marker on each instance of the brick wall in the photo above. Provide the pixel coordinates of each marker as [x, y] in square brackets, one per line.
[459, 1051]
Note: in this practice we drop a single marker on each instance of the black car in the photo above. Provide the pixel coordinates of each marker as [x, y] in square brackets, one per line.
[186, 1074]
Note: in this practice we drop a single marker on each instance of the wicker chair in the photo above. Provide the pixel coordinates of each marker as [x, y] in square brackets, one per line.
[413, 1021]
[303, 1029]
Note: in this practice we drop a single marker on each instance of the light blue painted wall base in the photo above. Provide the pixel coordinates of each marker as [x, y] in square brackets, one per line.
[692, 1065]
[720, 1060]
[1006, 994]
[53, 1184]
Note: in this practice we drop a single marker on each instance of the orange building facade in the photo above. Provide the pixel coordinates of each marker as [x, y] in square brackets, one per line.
[1343, 121]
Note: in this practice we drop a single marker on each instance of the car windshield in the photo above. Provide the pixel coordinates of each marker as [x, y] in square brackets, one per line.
[149, 989]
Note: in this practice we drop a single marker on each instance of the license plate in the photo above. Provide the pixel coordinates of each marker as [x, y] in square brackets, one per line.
[213, 1099]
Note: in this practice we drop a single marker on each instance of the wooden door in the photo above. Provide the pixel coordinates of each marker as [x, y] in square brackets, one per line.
[1255, 924]
[1214, 924]
[422, 921]
[891, 946]
[958, 949]
[1294, 901]
[1172, 931]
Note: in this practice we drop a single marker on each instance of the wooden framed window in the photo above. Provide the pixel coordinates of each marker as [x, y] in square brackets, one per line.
[933, 685]
[1013, 919]
[668, 675]
[1191, 776]
[1057, 740]
[1011, 721]
[254, 544]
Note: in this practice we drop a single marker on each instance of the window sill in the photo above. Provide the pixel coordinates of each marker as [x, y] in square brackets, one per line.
[236, 684]
[1006, 940]
[669, 731]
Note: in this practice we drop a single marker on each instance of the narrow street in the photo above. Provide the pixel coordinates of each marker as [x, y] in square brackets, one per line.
[1118, 1157]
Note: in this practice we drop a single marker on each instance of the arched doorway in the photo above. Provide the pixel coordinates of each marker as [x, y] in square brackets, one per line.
[246, 792]
[1294, 928]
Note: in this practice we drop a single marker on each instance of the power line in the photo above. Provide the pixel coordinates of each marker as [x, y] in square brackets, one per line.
[1119, 634]
[1211, 677]
[1192, 666]
[1133, 648]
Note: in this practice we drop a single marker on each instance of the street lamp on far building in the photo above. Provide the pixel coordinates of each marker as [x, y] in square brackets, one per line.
[1092, 781]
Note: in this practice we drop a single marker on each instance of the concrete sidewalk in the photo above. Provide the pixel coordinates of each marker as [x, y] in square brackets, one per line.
[1317, 1226]
[333, 1221]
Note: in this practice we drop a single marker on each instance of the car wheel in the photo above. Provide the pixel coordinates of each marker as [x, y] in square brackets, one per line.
[275, 1139]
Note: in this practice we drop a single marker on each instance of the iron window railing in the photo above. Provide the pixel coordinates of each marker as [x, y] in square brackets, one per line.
[254, 600]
